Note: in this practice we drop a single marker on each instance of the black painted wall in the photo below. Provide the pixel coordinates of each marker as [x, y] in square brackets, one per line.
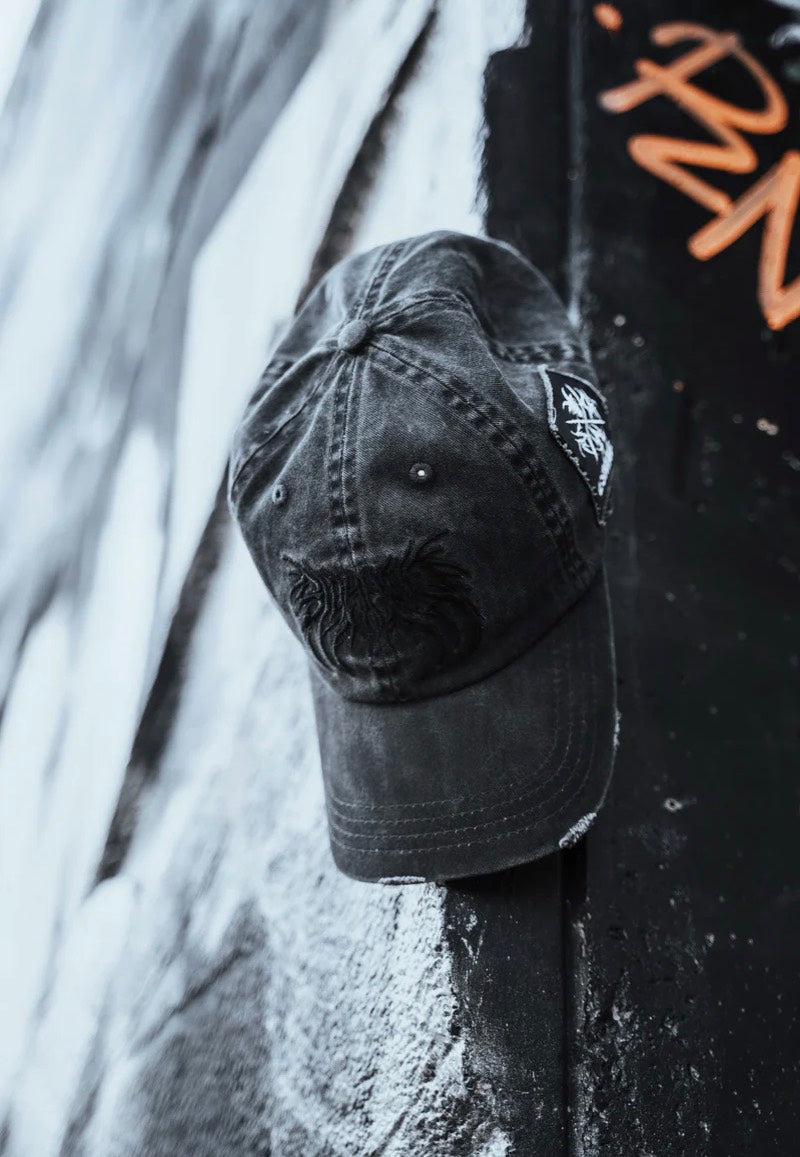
[651, 974]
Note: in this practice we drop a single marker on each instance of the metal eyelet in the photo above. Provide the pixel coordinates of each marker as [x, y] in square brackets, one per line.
[278, 494]
[421, 472]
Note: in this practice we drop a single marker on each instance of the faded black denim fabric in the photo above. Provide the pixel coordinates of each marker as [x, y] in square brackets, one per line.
[422, 477]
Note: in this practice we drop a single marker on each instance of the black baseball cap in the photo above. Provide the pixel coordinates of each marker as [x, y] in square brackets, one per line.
[422, 479]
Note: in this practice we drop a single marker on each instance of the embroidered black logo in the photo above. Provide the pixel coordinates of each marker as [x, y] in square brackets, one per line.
[402, 618]
[578, 418]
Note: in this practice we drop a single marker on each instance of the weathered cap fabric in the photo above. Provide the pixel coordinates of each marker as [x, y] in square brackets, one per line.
[422, 479]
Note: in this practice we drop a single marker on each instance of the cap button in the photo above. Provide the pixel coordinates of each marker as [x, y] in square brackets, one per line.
[353, 335]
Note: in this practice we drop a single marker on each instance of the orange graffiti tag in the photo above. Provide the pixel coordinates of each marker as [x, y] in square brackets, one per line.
[775, 196]
[608, 17]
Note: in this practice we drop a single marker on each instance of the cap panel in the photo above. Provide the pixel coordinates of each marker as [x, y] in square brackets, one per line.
[449, 344]
[454, 361]
[521, 323]
[490, 583]
[297, 463]
[401, 592]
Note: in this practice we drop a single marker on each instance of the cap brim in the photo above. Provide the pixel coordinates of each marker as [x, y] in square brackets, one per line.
[498, 773]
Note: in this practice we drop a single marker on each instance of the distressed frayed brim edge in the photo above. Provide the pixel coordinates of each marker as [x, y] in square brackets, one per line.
[546, 801]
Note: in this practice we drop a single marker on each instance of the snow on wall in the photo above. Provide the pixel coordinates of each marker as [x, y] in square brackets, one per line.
[102, 139]
[224, 990]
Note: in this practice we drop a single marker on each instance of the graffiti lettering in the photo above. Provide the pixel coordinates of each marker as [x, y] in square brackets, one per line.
[774, 197]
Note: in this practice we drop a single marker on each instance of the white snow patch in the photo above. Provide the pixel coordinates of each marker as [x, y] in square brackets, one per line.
[577, 830]
[402, 880]
[498, 1145]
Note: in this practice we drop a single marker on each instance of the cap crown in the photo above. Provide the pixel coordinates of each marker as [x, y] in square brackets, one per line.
[422, 473]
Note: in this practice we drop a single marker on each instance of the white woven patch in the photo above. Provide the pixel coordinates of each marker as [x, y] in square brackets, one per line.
[578, 420]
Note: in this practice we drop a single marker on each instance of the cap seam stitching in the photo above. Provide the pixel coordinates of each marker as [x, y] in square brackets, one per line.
[331, 462]
[354, 544]
[452, 298]
[382, 269]
[532, 351]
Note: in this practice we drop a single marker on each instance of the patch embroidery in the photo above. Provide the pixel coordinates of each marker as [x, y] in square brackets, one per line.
[578, 419]
[404, 617]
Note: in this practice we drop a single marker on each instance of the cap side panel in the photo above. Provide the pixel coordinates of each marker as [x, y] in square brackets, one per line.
[280, 400]
[512, 442]
[495, 560]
